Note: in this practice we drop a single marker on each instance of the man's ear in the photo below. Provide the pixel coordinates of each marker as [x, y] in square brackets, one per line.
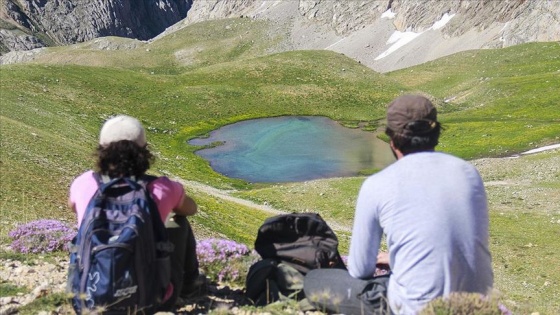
[396, 152]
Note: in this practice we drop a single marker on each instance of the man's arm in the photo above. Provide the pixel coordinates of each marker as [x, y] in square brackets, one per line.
[366, 234]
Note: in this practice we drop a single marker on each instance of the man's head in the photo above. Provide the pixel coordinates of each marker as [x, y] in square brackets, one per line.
[412, 124]
[122, 150]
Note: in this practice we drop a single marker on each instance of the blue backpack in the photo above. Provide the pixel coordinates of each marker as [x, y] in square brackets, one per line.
[120, 258]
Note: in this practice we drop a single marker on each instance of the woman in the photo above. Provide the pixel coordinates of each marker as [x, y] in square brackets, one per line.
[123, 152]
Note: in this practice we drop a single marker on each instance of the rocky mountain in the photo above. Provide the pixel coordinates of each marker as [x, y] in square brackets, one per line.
[383, 34]
[392, 34]
[28, 24]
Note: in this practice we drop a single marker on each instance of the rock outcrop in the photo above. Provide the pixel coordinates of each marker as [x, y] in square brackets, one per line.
[521, 20]
[391, 34]
[28, 24]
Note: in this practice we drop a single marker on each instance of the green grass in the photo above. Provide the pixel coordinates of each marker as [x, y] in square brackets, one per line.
[333, 199]
[524, 258]
[211, 74]
[54, 302]
[8, 289]
[217, 217]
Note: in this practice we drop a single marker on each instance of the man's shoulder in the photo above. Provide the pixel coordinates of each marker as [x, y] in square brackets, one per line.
[452, 159]
[383, 177]
[440, 157]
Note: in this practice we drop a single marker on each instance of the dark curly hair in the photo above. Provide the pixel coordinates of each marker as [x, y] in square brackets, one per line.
[123, 159]
[420, 135]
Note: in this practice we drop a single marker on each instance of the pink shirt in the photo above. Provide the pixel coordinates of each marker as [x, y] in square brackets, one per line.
[167, 194]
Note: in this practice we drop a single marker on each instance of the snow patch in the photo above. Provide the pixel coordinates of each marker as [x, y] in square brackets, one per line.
[503, 30]
[334, 44]
[399, 39]
[444, 20]
[388, 14]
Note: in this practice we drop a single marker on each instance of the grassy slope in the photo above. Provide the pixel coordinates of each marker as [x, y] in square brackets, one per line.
[51, 112]
[502, 101]
[211, 74]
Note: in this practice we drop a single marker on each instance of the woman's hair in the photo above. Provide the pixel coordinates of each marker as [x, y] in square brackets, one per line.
[420, 135]
[123, 159]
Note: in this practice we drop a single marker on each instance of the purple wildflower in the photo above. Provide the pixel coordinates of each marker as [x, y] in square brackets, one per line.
[504, 309]
[41, 236]
[211, 250]
[224, 260]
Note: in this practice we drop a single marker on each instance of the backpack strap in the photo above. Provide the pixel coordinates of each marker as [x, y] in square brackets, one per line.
[164, 246]
[104, 182]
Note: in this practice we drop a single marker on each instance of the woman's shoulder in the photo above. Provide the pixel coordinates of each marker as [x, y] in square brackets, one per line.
[163, 182]
[166, 192]
[85, 177]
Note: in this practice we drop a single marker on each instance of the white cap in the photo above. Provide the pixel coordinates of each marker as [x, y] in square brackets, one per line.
[122, 128]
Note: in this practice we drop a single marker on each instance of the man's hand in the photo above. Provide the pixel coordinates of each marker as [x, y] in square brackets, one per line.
[383, 258]
[382, 266]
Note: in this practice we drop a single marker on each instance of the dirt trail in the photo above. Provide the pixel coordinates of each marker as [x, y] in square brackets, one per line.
[226, 195]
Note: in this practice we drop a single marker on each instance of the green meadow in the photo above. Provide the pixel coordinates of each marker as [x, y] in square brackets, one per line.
[492, 103]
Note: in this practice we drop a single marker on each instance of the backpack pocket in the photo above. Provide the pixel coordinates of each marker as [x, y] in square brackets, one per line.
[120, 290]
[109, 277]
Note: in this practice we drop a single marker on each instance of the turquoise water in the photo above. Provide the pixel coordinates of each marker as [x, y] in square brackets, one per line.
[292, 148]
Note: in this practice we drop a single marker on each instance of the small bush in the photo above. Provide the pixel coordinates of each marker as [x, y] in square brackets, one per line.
[8, 289]
[53, 303]
[225, 261]
[463, 303]
[41, 236]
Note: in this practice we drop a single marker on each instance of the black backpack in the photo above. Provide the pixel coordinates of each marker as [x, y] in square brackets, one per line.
[120, 258]
[286, 243]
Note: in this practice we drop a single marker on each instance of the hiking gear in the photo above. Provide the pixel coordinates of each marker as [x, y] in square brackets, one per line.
[302, 240]
[349, 296]
[122, 128]
[119, 260]
[269, 281]
[291, 245]
[195, 289]
[407, 109]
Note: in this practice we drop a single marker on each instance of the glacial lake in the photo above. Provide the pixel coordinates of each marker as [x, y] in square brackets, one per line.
[291, 149]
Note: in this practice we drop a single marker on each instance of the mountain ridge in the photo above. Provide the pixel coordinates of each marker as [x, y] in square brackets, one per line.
[365, 30]
[29, 24]
[384, 35]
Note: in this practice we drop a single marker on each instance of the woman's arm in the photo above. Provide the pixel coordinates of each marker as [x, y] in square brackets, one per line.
[186, 207]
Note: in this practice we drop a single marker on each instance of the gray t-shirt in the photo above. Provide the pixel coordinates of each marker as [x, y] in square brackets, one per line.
[432, 207]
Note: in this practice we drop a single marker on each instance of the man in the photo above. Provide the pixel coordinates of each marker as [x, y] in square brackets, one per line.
[432, 208]
[123, 152]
